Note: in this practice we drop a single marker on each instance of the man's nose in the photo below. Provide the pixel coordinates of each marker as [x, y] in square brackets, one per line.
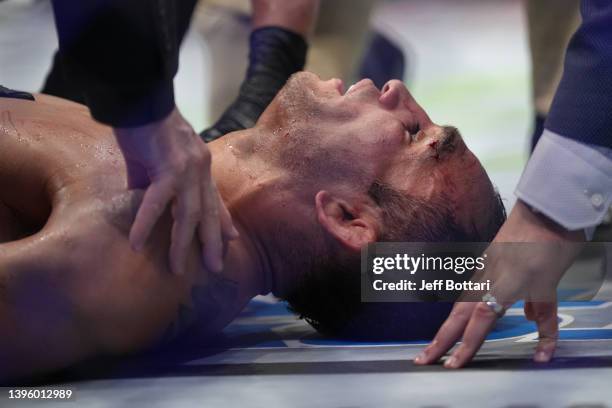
[390, 94]
[396, 97]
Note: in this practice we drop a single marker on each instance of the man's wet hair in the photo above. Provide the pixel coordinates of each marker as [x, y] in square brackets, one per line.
[328, 297]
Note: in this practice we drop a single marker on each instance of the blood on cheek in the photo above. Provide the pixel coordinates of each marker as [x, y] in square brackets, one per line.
[434, 145]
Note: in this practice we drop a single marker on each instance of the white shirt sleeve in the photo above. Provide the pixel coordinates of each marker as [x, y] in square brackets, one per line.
[569, 182]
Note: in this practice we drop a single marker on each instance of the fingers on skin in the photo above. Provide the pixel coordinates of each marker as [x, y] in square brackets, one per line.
[216, 227]
[228, 230]
[482, 320]
[196, 201]
[448, 334]
[227, 226]
[154, 203]
[210, 227]
[185, 223]
[545, 316]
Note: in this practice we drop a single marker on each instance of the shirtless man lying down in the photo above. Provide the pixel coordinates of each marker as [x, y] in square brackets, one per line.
[322, 174]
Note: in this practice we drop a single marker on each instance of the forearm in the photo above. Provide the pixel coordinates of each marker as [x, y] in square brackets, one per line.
[123, 55]
[275, 54]
[568, 177]
[277, 50]
[298, 16]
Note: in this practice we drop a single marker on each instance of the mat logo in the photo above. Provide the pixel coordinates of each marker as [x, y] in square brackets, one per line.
[582, 321]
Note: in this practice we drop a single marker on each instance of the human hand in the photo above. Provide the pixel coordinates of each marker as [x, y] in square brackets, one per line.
[533, 276]
[170, 161]
[298, 16]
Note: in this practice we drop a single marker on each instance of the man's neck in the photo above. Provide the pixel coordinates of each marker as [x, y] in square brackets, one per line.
[241, 177]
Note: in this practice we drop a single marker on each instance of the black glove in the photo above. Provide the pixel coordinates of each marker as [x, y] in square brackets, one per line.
[275, 55]
[10, 93]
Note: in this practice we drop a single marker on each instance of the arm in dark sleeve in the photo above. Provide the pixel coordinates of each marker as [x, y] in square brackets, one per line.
[582, 107]
[275, 54]
[123, 55]
[569, 175]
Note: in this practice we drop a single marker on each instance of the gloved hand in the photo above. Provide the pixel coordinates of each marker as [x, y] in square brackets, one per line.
[276, 54]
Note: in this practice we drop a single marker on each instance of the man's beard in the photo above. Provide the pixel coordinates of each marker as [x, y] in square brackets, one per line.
[296, 143]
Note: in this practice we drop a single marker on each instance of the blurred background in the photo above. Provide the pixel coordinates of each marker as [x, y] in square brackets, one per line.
[466, 61]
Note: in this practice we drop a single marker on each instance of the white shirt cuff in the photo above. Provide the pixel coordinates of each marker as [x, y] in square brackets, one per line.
[568, 181]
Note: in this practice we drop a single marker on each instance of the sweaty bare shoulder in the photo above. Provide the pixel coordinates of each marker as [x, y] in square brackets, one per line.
[50, 143]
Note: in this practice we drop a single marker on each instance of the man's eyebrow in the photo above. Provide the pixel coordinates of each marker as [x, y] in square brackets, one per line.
[450, 139]
[451, 132]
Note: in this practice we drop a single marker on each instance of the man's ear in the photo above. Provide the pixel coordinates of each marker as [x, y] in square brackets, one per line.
[353, 227]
